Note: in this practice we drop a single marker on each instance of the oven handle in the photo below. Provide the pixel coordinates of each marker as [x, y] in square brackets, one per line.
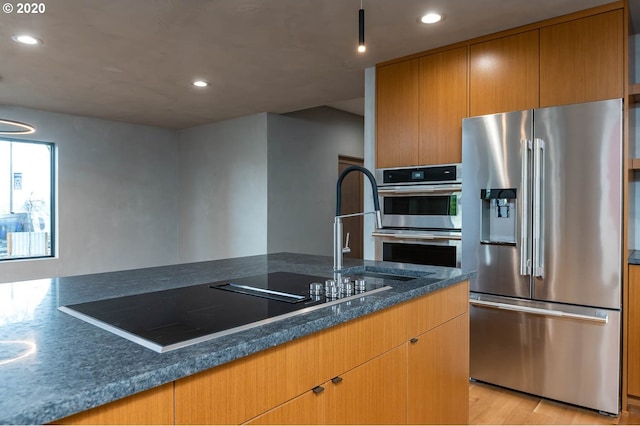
[413, 190]
[401, 236]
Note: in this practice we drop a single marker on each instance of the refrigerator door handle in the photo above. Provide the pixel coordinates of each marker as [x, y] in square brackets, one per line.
[538, 235]
[599, 318]
[525, 261]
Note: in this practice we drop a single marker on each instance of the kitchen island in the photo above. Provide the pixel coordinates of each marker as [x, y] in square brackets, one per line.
[53, 365]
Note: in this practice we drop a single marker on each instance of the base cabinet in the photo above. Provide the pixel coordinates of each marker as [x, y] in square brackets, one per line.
[438, 378]
[633, 345]
[372, 393]
[306, 409]
[365, 371]
[151, 407]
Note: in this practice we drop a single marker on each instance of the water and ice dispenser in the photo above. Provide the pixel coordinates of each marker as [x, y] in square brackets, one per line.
[498, 216]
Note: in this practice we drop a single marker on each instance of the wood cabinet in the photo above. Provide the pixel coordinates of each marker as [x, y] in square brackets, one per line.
[152, 407]
[306, 409]
[426, 313]
[423, 380]
[438, 334]
[633, 345]
[420, 101]
[236, 392]
[369, 372]
[397, 102]
[231, 393]
[438, 374]
[443, 105]
[372, 393]
[504, 74]
[582, 60]
[420, 104]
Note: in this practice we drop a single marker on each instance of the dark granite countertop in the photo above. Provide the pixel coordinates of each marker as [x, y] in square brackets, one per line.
[634, 257]
[53, 365]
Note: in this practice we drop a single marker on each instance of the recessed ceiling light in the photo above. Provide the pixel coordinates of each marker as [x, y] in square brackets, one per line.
[200, 83]
[26, 39]
[431, 18]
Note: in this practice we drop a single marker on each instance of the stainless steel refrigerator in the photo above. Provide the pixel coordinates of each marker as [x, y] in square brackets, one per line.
[542, 224]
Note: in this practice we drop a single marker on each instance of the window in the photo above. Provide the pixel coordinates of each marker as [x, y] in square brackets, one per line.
[26, 199]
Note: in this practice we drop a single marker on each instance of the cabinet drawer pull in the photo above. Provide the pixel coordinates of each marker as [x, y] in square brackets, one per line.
[317, 389]
[336, 380]
[414, 340]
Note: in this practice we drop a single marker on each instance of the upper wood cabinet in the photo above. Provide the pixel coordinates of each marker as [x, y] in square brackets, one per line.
[420, 104]
[582, 60]
[397, 100]
[421, 101]
[443, 105]
[504, 74]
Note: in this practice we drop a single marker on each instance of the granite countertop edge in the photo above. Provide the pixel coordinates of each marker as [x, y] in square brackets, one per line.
[634, 257]
[187, 361]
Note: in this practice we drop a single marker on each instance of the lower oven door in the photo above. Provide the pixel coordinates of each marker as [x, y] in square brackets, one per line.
[438, 248]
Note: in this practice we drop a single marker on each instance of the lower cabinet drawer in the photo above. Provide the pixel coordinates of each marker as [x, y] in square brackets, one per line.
[372, 393]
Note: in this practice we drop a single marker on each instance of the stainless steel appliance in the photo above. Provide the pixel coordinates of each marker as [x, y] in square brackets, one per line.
[422, 247]
[542, 193]
[421, 197]
[421, 215]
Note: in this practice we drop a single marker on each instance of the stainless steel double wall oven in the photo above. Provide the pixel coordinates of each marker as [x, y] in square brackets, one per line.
[421, 215]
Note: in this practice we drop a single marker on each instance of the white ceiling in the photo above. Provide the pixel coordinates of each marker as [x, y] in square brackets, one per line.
[134, 60]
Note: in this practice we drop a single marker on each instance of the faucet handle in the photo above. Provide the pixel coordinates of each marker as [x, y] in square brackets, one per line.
[346, 248]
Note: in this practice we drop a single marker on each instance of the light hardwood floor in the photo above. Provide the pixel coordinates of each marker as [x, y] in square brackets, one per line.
[493, 405]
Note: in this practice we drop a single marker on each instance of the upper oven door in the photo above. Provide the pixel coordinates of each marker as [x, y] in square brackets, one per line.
[421, 206]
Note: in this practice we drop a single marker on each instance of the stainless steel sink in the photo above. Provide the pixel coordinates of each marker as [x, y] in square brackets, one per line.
[396, 274]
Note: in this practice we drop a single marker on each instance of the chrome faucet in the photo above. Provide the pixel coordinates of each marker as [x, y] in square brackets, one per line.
[338, 250]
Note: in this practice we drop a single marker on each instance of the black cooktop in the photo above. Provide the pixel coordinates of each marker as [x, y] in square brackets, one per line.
[169, 319]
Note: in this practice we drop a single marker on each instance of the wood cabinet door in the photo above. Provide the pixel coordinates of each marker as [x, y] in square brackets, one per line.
[435, 308]
[372, 393]
[443, 105]
[397, 114]
[152, 407]
[504, 74]
[307, 409]
[633, 344]
[348, 345]
[231, 393]
[582, 60]
[438, 375]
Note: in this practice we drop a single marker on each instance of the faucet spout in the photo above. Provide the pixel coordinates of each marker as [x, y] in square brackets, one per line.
[337, 225]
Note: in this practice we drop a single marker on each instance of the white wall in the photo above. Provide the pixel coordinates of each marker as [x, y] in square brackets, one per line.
[222, 191]
[134, 196]
[303, 168]
[117, 197]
